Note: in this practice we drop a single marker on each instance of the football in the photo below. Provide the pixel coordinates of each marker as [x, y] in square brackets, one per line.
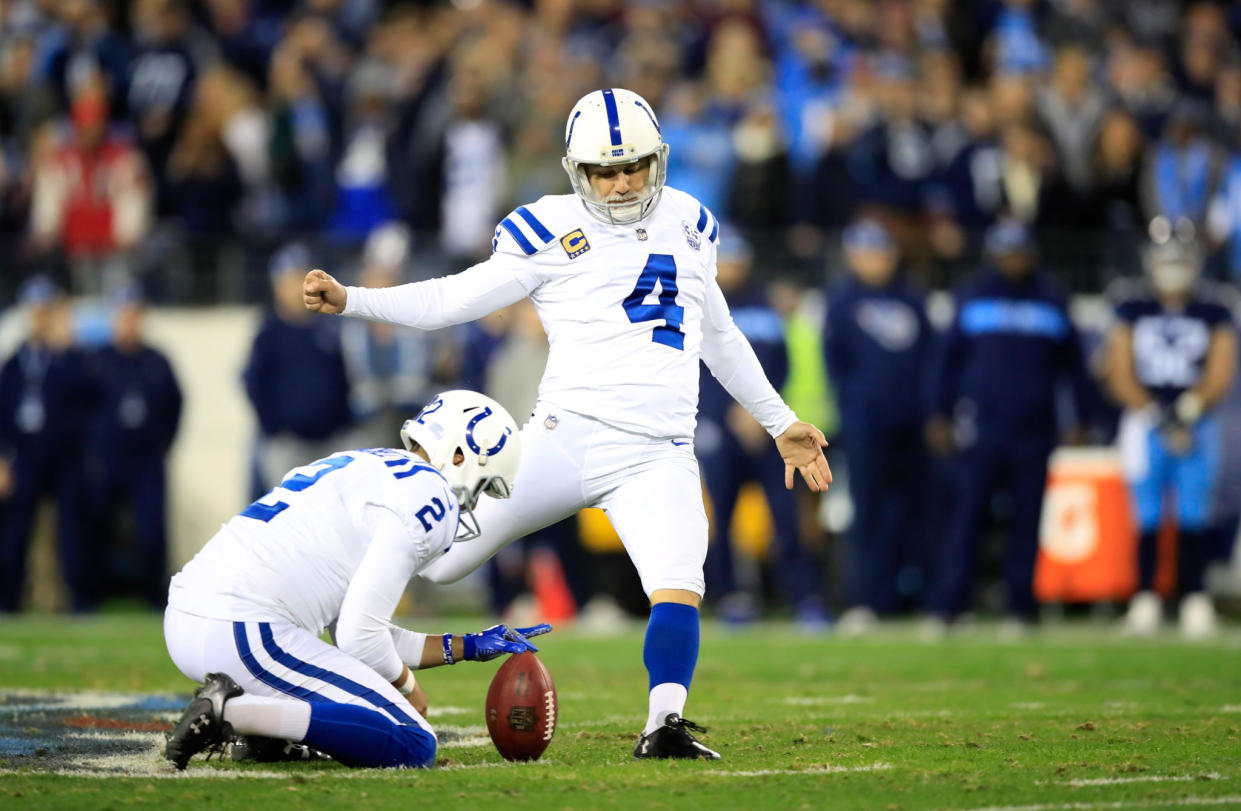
[521, 708]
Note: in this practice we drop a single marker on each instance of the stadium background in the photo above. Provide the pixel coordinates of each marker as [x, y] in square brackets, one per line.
[250, 124]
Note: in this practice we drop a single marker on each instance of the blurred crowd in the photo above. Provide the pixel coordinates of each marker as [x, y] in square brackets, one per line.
[183, 140]
[862, 152]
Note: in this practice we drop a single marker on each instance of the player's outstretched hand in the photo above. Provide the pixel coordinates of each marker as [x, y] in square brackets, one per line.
[801, 447]
[497, 641]
[323, 294]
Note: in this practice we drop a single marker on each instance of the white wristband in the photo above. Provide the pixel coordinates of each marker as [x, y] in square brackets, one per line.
[406, 687]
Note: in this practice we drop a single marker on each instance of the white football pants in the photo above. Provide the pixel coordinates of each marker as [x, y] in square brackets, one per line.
[280, 660]
[649, 488]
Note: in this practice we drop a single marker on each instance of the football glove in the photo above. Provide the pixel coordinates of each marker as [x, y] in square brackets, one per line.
[499, 640]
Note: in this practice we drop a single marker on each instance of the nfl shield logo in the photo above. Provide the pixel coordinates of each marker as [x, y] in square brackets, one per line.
[642, 234]
[551, 422]
[691, 235]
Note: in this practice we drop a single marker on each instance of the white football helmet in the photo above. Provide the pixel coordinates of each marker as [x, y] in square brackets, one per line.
[481, 430]
[613, 127]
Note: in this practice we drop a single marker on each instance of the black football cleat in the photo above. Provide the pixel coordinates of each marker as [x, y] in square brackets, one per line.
[261, 749]
[673, 740]
[202, 725]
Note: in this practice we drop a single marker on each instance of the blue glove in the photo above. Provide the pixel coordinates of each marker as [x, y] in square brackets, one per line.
[499, 640]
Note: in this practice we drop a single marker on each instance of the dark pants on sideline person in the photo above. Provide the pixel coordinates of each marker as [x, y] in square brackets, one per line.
[137, 487]
[725, 469]
[34, 477]
[979, 473]
[889, 480]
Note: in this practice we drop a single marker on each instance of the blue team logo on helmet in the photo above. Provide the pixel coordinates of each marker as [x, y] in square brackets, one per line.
[469, 434]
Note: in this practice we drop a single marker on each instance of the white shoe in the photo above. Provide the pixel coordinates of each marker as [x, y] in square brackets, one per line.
[1197, 616]
[1144, 615]
[857, 621]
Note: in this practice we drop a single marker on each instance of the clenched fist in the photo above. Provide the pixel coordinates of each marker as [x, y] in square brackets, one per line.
[322, 293]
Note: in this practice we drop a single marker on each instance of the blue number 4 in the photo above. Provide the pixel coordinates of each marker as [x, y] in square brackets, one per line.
[297, 483]
[661, 267]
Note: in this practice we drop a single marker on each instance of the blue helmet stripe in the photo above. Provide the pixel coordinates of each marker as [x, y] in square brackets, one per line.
[609, 104]
[702, 219]
[649, 115]
[573, 122]
[526, 246]
[539, 229]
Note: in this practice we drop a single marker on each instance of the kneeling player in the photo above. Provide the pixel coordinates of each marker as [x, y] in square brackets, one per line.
[333, 546]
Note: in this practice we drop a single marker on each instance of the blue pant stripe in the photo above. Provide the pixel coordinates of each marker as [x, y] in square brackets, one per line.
[335, 679]
[540, 230]
[526, 246]
[257, 671]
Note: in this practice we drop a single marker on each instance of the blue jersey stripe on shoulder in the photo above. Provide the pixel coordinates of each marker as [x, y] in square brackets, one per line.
[715, 230]
[539, 229]
[609, 104]
[702, 218]
[508, 225]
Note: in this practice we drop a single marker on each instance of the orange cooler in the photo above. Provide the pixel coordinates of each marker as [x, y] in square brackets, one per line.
[1087, 538]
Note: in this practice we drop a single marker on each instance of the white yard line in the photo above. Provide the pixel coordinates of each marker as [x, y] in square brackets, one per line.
[810, 701]
[1143, 778]
[828, 769]
[1192, 800]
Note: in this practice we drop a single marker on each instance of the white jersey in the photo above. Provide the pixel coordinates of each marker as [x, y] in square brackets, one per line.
[629, 311]
[293, 554]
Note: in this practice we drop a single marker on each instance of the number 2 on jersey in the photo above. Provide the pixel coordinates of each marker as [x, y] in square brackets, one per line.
[297, 482]
[661, 267]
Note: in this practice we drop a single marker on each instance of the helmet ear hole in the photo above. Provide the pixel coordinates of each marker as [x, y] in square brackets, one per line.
[458, 457]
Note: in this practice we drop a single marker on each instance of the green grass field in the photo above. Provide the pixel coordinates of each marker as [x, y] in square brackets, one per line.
[1069, 718]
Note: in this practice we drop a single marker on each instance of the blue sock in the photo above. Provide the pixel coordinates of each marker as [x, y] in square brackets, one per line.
[357, 736]
[670, 653]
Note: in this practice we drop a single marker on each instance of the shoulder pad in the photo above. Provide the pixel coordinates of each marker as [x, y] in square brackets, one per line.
[523, 232]
[1126, 288]
[705, 222]
[1220, 293]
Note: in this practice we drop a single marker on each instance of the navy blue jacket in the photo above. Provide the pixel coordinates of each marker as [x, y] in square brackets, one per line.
[1010, 346]
[878, 345]
[56, 385]
[140, 405]
[296, 379]
[764, 329]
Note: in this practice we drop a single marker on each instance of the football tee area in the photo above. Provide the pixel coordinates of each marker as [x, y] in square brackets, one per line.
[1070, 717]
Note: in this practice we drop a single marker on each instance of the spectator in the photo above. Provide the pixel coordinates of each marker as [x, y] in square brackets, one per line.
[47, 395]
[92, 196]
[1115, 206]
[161, 82]
[131, 433]
[86, 50]
[1010, 347]
[301, 150]
[893, 161]
[390, 368]
[1185, 168]
[1071, 109]
[879, 341]
[1172, 359]
[732, 450]
[295, 377]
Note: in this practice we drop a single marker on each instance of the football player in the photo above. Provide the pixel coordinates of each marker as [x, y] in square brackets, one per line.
[1172, 358]
[333, 546]
[622, 274]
